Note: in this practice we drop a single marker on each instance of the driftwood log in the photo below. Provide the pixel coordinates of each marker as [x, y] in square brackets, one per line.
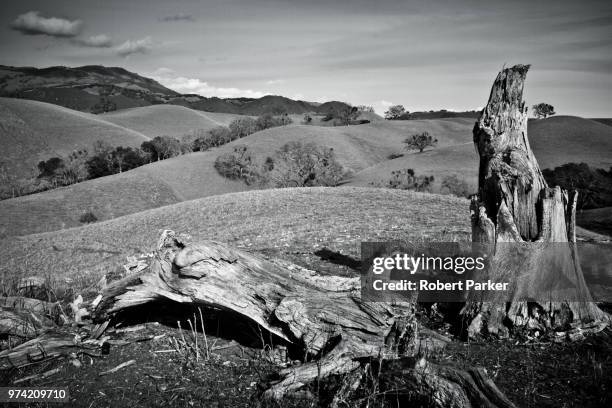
[514, 206]
[322, 318]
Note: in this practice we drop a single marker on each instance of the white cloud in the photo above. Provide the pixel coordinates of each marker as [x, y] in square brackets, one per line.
[96, 41]
[381, 106]
[172, 80]
[298, 97]
[142, 46]
[32, 23]
[275, 82]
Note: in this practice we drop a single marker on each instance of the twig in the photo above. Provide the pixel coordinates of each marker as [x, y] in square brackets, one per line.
[119, 367]
[204, 333]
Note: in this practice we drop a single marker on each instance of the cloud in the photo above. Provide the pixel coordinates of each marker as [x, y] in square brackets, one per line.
[177, 17]
[32, 23]
[142, 46]
[275, 82]
[170, 79]
[95, 41]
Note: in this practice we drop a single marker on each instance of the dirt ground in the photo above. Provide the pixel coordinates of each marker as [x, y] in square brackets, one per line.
[532, 374]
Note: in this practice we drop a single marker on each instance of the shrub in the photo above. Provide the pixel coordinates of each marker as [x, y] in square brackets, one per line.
[455, 186]
[238, 165]
[405, 179]
[88, 218]
[304, 165]
[395, 156]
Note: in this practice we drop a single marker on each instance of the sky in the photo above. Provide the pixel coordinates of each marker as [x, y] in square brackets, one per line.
[421, 54]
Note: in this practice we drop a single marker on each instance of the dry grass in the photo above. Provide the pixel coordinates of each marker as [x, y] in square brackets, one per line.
[555, 141]
[289, 223]
[193, 176]
[170, 120]
[31, 131]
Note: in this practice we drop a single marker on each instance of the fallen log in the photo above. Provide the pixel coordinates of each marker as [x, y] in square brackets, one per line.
[322, 320]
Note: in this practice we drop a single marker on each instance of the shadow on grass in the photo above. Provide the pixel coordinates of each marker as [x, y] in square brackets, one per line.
[338, 258]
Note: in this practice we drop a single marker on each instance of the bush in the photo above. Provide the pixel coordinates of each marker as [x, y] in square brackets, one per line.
[293, 165]
[455, 186]
[88, 218]
[304, 165]
[405, 179]
[238, 165]
[395, 156]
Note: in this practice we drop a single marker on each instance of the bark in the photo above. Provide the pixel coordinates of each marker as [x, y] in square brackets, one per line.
[320, 318]
[514, 204]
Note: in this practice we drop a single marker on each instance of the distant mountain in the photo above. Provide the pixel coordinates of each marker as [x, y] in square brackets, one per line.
[90, 88]
[98, 89]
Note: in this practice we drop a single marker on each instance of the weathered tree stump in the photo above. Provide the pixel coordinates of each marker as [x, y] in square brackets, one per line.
[514, 205]
[321, 317]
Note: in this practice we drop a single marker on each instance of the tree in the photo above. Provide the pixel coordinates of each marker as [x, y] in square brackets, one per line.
[543, 110]
[346, 114]
[395, 112]
[162, 147]
[50, 168]
[420, 142]
[126, 158]
[303, 165]
[405, 179]
[242, 127]
[516, 215]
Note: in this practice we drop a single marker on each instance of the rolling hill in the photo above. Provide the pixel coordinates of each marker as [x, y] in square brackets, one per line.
[364, 150]
[555, 141]
[169, 120]
[292, 222]
[82, 88]
[31, 131]
[193, 176]
[97, 89]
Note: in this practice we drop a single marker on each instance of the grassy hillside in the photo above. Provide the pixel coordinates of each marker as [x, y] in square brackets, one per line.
[169, 120]
[31, 131]
[193, 176]
[555, 141]
[563, 139]
[292, 223]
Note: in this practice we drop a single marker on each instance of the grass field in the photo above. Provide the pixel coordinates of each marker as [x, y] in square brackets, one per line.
[555, 141]
[364, 150]
[168, 120]
[290, 223]
[193, 176]
[31, 131]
